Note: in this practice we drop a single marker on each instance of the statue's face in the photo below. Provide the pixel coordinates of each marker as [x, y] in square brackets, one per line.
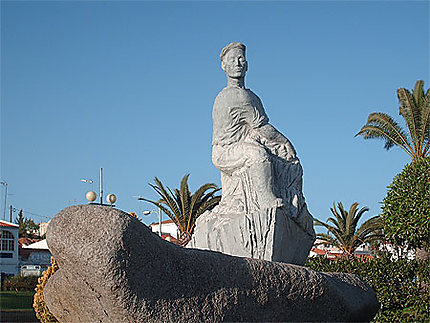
[234, 63]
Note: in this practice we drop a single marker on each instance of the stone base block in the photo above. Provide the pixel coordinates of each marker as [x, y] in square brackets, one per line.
[268, 234]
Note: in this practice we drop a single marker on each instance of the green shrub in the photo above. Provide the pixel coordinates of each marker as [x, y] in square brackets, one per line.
[406, 209]
[20, 283]
[402, 287]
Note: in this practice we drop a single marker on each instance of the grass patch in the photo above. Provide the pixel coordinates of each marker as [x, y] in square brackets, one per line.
[16, 301]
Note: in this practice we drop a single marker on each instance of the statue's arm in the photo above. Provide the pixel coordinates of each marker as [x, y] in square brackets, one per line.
[276, 141]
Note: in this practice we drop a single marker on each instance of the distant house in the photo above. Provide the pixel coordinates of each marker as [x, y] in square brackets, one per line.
[9, 260]
[397, 252]
[332, 252]
[42, 228]
[35, 254]
[168, 229]
[16, 252]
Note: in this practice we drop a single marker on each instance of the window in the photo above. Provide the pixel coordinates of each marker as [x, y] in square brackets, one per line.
[7, 241]
[6, 255]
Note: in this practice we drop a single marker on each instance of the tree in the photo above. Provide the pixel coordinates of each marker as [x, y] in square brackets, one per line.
[27, 227]
[406, 209]
[345, 233]
[184, 208]
[415, 109]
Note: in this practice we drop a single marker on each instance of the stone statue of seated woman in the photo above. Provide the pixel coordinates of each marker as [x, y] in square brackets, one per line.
[259, 167]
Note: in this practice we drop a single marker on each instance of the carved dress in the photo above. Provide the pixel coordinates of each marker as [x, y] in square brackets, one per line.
[237, 145]
[262, 213]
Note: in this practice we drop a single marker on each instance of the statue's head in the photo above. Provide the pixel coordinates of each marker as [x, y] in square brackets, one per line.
[233, 60]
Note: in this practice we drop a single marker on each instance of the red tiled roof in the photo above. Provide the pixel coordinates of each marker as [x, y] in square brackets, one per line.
[163, 222]
[334, 255]
[8, 224]
[327, 253]
[27, 241]
[167, 236]
[319, 251]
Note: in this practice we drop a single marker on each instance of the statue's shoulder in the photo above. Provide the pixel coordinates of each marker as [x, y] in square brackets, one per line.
[224, 96]
[253, 95]
[226, 92]
[230, 95]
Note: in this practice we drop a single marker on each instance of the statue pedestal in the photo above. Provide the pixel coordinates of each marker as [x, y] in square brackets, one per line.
[268, 234]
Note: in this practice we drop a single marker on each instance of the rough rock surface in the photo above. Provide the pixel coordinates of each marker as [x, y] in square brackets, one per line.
[114, 269]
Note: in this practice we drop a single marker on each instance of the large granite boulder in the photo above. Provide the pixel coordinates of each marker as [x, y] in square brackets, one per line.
[114, 269]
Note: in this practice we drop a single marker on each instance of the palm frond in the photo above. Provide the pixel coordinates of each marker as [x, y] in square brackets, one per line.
[203, 207]
[339, 222]
[165, 210]
[177, 196]
[197, 196]
[414, 107]
[381, 125]
[357, 217]
[418, 92]
[197, 199]
[426, 122]
[206, 206]
[185, 196]
[372, 225]
[410, 111]
[326, 239]
[170, 202]
[207, 197]
[334, 231]
[349, 226]
[185, 207]
[347, 238]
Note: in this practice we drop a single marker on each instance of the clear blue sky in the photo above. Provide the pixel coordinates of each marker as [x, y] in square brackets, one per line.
[129, 86]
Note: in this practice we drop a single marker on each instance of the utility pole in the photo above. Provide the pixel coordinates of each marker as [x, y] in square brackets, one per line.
[101, 186]
[159, 222]
[5, 198]
[92, 196]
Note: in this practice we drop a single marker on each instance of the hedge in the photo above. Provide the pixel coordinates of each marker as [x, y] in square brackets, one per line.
[20, 283]
[402, 287]
[406, 208]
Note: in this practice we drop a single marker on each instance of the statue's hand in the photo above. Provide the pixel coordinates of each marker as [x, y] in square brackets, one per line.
[285, 151]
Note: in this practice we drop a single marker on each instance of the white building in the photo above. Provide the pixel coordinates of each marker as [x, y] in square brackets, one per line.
[397, 252]
[36, 254]
[42, 228]
[9, 260]
[332, 252]
[168, 228]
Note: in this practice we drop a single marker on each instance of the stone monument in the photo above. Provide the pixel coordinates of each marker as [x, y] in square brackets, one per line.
[114, 269]
[262, 213]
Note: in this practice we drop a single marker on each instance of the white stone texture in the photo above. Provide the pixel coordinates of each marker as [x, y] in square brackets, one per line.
[262, 211]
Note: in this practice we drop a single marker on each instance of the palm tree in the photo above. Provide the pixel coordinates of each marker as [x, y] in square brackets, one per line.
[182, 207]
[345, 233]
[415, 109]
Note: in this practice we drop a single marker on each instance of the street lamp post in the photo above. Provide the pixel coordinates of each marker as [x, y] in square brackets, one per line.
[5, 198]
[92, 196]
[159, 218]
[140, 199]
